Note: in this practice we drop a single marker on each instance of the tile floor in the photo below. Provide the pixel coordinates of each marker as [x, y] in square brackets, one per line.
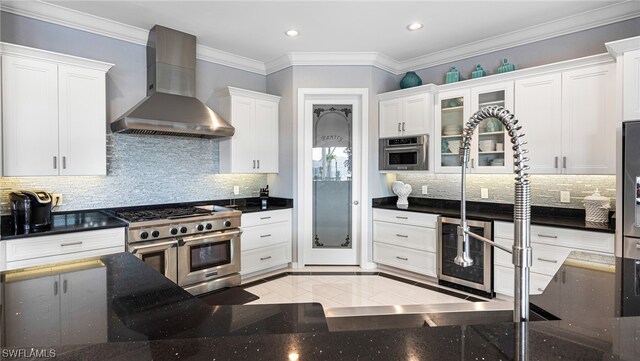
[347, 291]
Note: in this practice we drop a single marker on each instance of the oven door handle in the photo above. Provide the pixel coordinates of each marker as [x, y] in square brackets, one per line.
[393, 149]
[212, 235]
[135, 249]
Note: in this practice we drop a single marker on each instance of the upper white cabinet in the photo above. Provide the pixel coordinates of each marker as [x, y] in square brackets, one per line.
[57, 103]
[568, 120]
[627, 55]
[490, 146]
[254, 146]
[406, 112]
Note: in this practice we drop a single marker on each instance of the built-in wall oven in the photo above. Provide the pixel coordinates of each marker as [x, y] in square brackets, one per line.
[477, 278]
[404, 153]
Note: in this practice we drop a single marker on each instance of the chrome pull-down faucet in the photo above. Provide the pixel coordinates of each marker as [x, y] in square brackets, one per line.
[521, 250]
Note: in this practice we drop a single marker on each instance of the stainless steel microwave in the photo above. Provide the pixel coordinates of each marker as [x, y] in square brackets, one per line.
[404, 153]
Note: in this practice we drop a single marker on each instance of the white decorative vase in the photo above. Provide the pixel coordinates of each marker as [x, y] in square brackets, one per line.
[402, 191]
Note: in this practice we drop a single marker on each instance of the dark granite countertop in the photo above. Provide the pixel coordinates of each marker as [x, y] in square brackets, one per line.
[66, 222]
[250, 205]
[544, 216]
[127, 311]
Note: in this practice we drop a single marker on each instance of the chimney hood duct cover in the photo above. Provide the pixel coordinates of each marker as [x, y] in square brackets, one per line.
[170, 107]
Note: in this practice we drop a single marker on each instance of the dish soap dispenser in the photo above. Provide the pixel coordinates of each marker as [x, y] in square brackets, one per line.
[264, 196]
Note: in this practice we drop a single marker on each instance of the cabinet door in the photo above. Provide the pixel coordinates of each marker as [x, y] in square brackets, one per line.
[588, 120]
[243, 114]
[266, 136]
[390, 118]
[30, 117]
[415, 120]
[83, 306]
[452, 112]
[631, 86]
[491, 147]
[82, 121]
[32, 312]
[538, 108]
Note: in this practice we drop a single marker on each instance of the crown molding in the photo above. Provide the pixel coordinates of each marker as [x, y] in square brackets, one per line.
[619, 47]
[82, 21]
[39, 54]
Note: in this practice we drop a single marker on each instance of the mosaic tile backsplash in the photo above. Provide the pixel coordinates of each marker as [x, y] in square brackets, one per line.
[545, 189]
[143, 169]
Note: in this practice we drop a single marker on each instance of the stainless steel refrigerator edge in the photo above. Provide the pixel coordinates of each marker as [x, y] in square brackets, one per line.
[630, 247]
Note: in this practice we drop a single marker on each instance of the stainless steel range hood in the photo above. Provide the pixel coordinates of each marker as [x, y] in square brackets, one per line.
[170, 107]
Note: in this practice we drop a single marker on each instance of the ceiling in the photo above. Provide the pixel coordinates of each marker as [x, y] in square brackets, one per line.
[255, 29]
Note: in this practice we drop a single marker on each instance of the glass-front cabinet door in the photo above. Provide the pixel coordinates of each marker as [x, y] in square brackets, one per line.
[492, 150]
[452, 112]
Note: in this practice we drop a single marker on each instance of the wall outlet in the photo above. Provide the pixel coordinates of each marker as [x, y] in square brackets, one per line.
[484, 193]
[565, 197]
[425, 189]
[57, 199]
[236, 190]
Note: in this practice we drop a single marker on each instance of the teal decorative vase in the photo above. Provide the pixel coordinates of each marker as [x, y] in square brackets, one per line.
[452, 75]
[505, 67]
[478, 73]
[410, 80]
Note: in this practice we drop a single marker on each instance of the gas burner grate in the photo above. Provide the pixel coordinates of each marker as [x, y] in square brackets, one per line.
[161, 213]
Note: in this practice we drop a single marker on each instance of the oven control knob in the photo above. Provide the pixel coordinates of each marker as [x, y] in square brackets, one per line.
[209, 226]
[144, 235]
[227, 223]
[155, 234]
[183, 229]
[173, 231]
[200, 227]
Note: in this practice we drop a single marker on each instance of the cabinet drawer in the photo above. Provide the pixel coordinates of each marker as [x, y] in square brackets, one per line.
[504, 282]
[411, 218]
[404, 258]
[44, 246]
[267, 235]
[261, 218]
[563, 237]
[547, 259]
[405, 236]
[265, 257]
[32, 262]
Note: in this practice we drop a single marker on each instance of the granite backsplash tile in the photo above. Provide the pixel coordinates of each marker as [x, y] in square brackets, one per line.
[143, 169]
[545, 189]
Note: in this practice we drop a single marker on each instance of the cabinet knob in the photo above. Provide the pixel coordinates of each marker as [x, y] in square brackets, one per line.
[355, 203]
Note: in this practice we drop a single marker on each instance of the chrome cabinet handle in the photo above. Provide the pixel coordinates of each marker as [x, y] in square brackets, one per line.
[556, 162]
[473, 163]
[547, 260]
[402, 235]
[70, 244]
[403, 127]
[399, 129]
[564, 162]
[402, 258]
[265, 258]
[64, 162]
[546, 236]
[55, 162]
[254, 164]
[55, 288]
[258, 161]
[265, 217]
[64, 286]
[265, 235]
[399, 217]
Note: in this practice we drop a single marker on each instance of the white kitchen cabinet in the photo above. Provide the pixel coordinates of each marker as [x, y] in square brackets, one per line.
[58, 309]
[631, 85]
[490, 146]
[405, 240]
[406, 112]
[254, 146]
[550, 248]
[58, 103]
[568, 120]
[41, 250]
[266, 241]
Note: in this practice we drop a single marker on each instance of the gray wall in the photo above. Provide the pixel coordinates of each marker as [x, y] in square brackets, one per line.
[142, 170]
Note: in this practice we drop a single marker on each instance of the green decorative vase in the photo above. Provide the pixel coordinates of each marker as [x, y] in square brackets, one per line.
[410, 80]
[478, 73]
[506, 67]
[452, 75]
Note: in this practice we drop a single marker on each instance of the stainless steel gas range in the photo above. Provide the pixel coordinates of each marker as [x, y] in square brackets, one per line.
[196, 247]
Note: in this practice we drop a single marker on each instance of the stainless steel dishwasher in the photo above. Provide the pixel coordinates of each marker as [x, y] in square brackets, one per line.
[477, 278]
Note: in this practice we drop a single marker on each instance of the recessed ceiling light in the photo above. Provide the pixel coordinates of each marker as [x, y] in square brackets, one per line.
[292, 33]
[414, 26]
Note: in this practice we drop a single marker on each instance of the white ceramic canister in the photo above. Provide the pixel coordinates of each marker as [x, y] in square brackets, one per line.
[596, 208]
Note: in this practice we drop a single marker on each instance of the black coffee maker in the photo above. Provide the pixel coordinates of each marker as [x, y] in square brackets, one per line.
[31, 210]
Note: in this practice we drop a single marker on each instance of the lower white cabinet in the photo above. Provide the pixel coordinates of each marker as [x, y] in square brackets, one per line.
[36, 251]
[265, 241]
[56, 309]
[405, 240]
[550, 248]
